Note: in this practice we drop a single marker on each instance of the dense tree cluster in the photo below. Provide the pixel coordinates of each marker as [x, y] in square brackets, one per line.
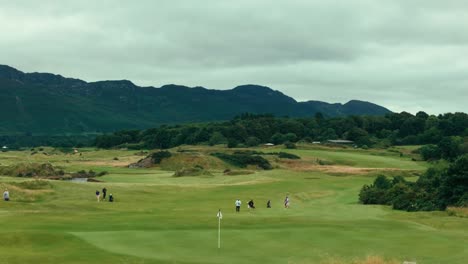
[446, 132]
[28, 140]
[435, 190]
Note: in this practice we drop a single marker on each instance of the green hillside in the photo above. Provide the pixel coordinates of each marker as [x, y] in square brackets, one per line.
[43, 103]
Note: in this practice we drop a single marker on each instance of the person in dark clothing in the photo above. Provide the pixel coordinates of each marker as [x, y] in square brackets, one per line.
[251, 204]
[268, 204]
[104, 191]
[111, 198]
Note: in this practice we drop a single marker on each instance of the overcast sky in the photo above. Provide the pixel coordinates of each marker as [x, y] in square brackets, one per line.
[404, 55]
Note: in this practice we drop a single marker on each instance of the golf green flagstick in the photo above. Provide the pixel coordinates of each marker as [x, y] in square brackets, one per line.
[220, 216]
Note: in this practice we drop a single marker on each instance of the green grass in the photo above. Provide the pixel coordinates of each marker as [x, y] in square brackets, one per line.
[157, 218]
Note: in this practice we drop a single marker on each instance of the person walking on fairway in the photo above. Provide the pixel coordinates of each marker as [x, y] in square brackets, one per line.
[97, 195]
[286, 202]
[6, 196]
[104, 191]
[238, 205]
[111, 198]
[269, 204]
[251, 204]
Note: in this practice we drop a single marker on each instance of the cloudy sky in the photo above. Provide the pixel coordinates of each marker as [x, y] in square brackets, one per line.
[405, 55]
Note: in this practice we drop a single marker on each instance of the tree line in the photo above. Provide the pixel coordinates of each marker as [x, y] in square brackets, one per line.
[444, 134]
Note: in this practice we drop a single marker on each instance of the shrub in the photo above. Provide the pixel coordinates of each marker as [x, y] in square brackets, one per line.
[88, 174]
[102, 173]
[290, 145]
[430, 152]
[252, 141]
[243, 160]
[157, 157]
[232, 143]
[285, 155]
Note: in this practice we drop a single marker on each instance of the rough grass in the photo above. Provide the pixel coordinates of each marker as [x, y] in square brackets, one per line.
[179, 161]
[27, 191]
[367, 260]
[458, 211]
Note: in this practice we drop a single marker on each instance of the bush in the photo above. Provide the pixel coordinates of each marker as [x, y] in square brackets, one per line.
[157, 157]
[88, 174]
[34, 185]
[290, 145]
[285, 155]
[430, 152]
[232, 143]
[102, 173]
[252, 141]
[371, 195]
[243, 160]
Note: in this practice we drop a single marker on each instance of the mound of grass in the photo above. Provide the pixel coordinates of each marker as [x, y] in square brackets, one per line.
[34, 185]
[193, 171]
[28, 190]
[243, 160]
[458, 211]
[32, 170]
[237, 172]
[152, 159]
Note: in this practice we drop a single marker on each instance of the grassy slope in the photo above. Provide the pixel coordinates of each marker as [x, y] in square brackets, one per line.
[160, 219]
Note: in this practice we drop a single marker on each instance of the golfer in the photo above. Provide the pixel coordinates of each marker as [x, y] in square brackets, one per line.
[6, 196]
[251, 204]
[286, 202]
[238, 205]
[97, 195]
[104, 191]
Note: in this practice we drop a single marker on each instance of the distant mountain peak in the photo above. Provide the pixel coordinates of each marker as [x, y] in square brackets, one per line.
[8, 72]
[174, 86]
[252, 87]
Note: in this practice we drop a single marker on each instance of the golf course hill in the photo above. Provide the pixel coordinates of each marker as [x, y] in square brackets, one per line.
[45, 103]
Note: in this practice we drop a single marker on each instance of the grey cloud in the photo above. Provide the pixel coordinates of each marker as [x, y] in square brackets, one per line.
[406, 55]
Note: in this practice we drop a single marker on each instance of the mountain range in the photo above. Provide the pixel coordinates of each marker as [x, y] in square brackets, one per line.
[45, 103]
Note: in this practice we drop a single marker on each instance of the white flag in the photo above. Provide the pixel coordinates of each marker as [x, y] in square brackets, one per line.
[220, 215]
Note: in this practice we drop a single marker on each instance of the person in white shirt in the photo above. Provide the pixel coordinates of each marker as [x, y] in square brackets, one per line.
[238, 205]
[6, 195]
